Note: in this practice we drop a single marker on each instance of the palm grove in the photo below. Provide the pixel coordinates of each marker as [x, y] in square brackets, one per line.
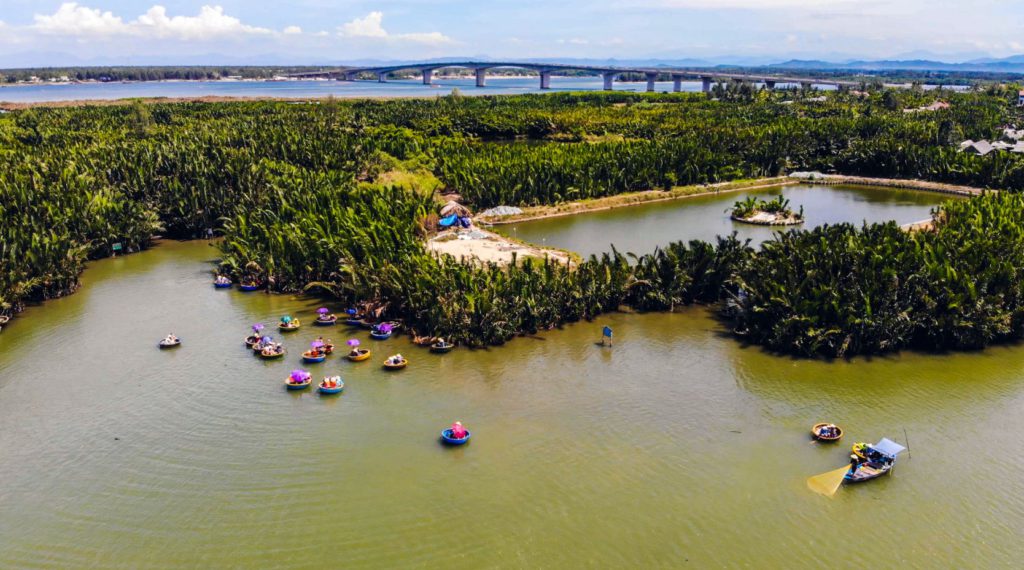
[338, 197]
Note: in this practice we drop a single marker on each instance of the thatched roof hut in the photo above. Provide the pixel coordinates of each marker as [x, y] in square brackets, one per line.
[454, 208]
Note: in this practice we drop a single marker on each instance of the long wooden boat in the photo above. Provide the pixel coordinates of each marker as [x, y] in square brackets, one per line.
[816, 432]
[358, 355]
[881, 457]
[869, 471]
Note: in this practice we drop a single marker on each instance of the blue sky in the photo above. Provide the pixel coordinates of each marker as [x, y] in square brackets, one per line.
[318, 31]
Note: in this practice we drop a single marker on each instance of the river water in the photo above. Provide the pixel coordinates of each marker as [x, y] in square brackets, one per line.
[641, 228]
[678, 446]
[315, 89]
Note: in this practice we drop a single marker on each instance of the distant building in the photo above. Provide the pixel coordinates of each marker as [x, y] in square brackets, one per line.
[980, 148]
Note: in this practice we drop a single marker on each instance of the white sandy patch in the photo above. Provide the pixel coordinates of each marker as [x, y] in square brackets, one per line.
[486, 246]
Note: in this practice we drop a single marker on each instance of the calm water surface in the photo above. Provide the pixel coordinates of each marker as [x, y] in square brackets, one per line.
[676, 447]
[642, 228]
[312, 89]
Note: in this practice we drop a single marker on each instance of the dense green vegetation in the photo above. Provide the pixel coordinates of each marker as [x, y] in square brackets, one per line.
[752, 204]
[338, 196]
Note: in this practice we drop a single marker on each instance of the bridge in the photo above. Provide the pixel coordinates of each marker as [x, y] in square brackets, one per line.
[546, 70]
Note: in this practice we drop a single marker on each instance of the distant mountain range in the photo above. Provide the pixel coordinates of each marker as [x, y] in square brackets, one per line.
[1013, 64]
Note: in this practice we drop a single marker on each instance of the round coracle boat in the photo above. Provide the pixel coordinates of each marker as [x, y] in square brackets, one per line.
[441, 347]
[331, 385]
[314, 356]
[270, 353]
[392, 364]
[290, 326]
[167, 343]
[827, 432]
[248, 287]
[325, 321]
[446, 436]
[358, 355]
[293, 385]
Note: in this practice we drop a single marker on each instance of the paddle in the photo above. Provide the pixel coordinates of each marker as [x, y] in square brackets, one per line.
[828, 483]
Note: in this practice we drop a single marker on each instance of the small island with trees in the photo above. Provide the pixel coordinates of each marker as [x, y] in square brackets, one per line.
[754, 210]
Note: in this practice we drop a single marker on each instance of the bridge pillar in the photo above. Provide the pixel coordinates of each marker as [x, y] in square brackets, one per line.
[650, 81]
[428, 76]
[609, 78]
[545, 79]
[705, 84]
[677, 83]
[382, 76]
[769, 85]
[481, 77]
[349, 76]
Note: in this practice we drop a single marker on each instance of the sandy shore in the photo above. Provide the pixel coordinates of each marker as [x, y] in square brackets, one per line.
[484, 246]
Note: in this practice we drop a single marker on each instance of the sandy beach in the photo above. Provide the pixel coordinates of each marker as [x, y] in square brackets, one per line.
[487, 247]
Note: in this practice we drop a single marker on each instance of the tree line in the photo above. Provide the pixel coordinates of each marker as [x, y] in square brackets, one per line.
[297, 193]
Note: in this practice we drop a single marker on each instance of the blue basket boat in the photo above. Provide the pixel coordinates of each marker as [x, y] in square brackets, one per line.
[247, 288]
[335, 390]
[313, 357]
[446, 436]
[222, 285]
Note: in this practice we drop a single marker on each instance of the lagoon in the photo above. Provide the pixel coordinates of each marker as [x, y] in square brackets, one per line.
[678, 446]
[641, 228]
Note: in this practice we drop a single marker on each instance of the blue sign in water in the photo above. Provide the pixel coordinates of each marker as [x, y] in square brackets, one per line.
[607, 332]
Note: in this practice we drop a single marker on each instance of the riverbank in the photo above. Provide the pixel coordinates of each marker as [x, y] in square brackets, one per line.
[922, 185]
[651, 196]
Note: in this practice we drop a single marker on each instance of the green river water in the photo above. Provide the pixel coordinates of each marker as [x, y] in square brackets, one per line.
[642, 228]
[677, 447]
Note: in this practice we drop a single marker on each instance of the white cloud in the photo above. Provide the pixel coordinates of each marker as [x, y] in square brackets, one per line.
[368, 27]
[211, 22]
[71, 19]
[371, 27]
[292, 31]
